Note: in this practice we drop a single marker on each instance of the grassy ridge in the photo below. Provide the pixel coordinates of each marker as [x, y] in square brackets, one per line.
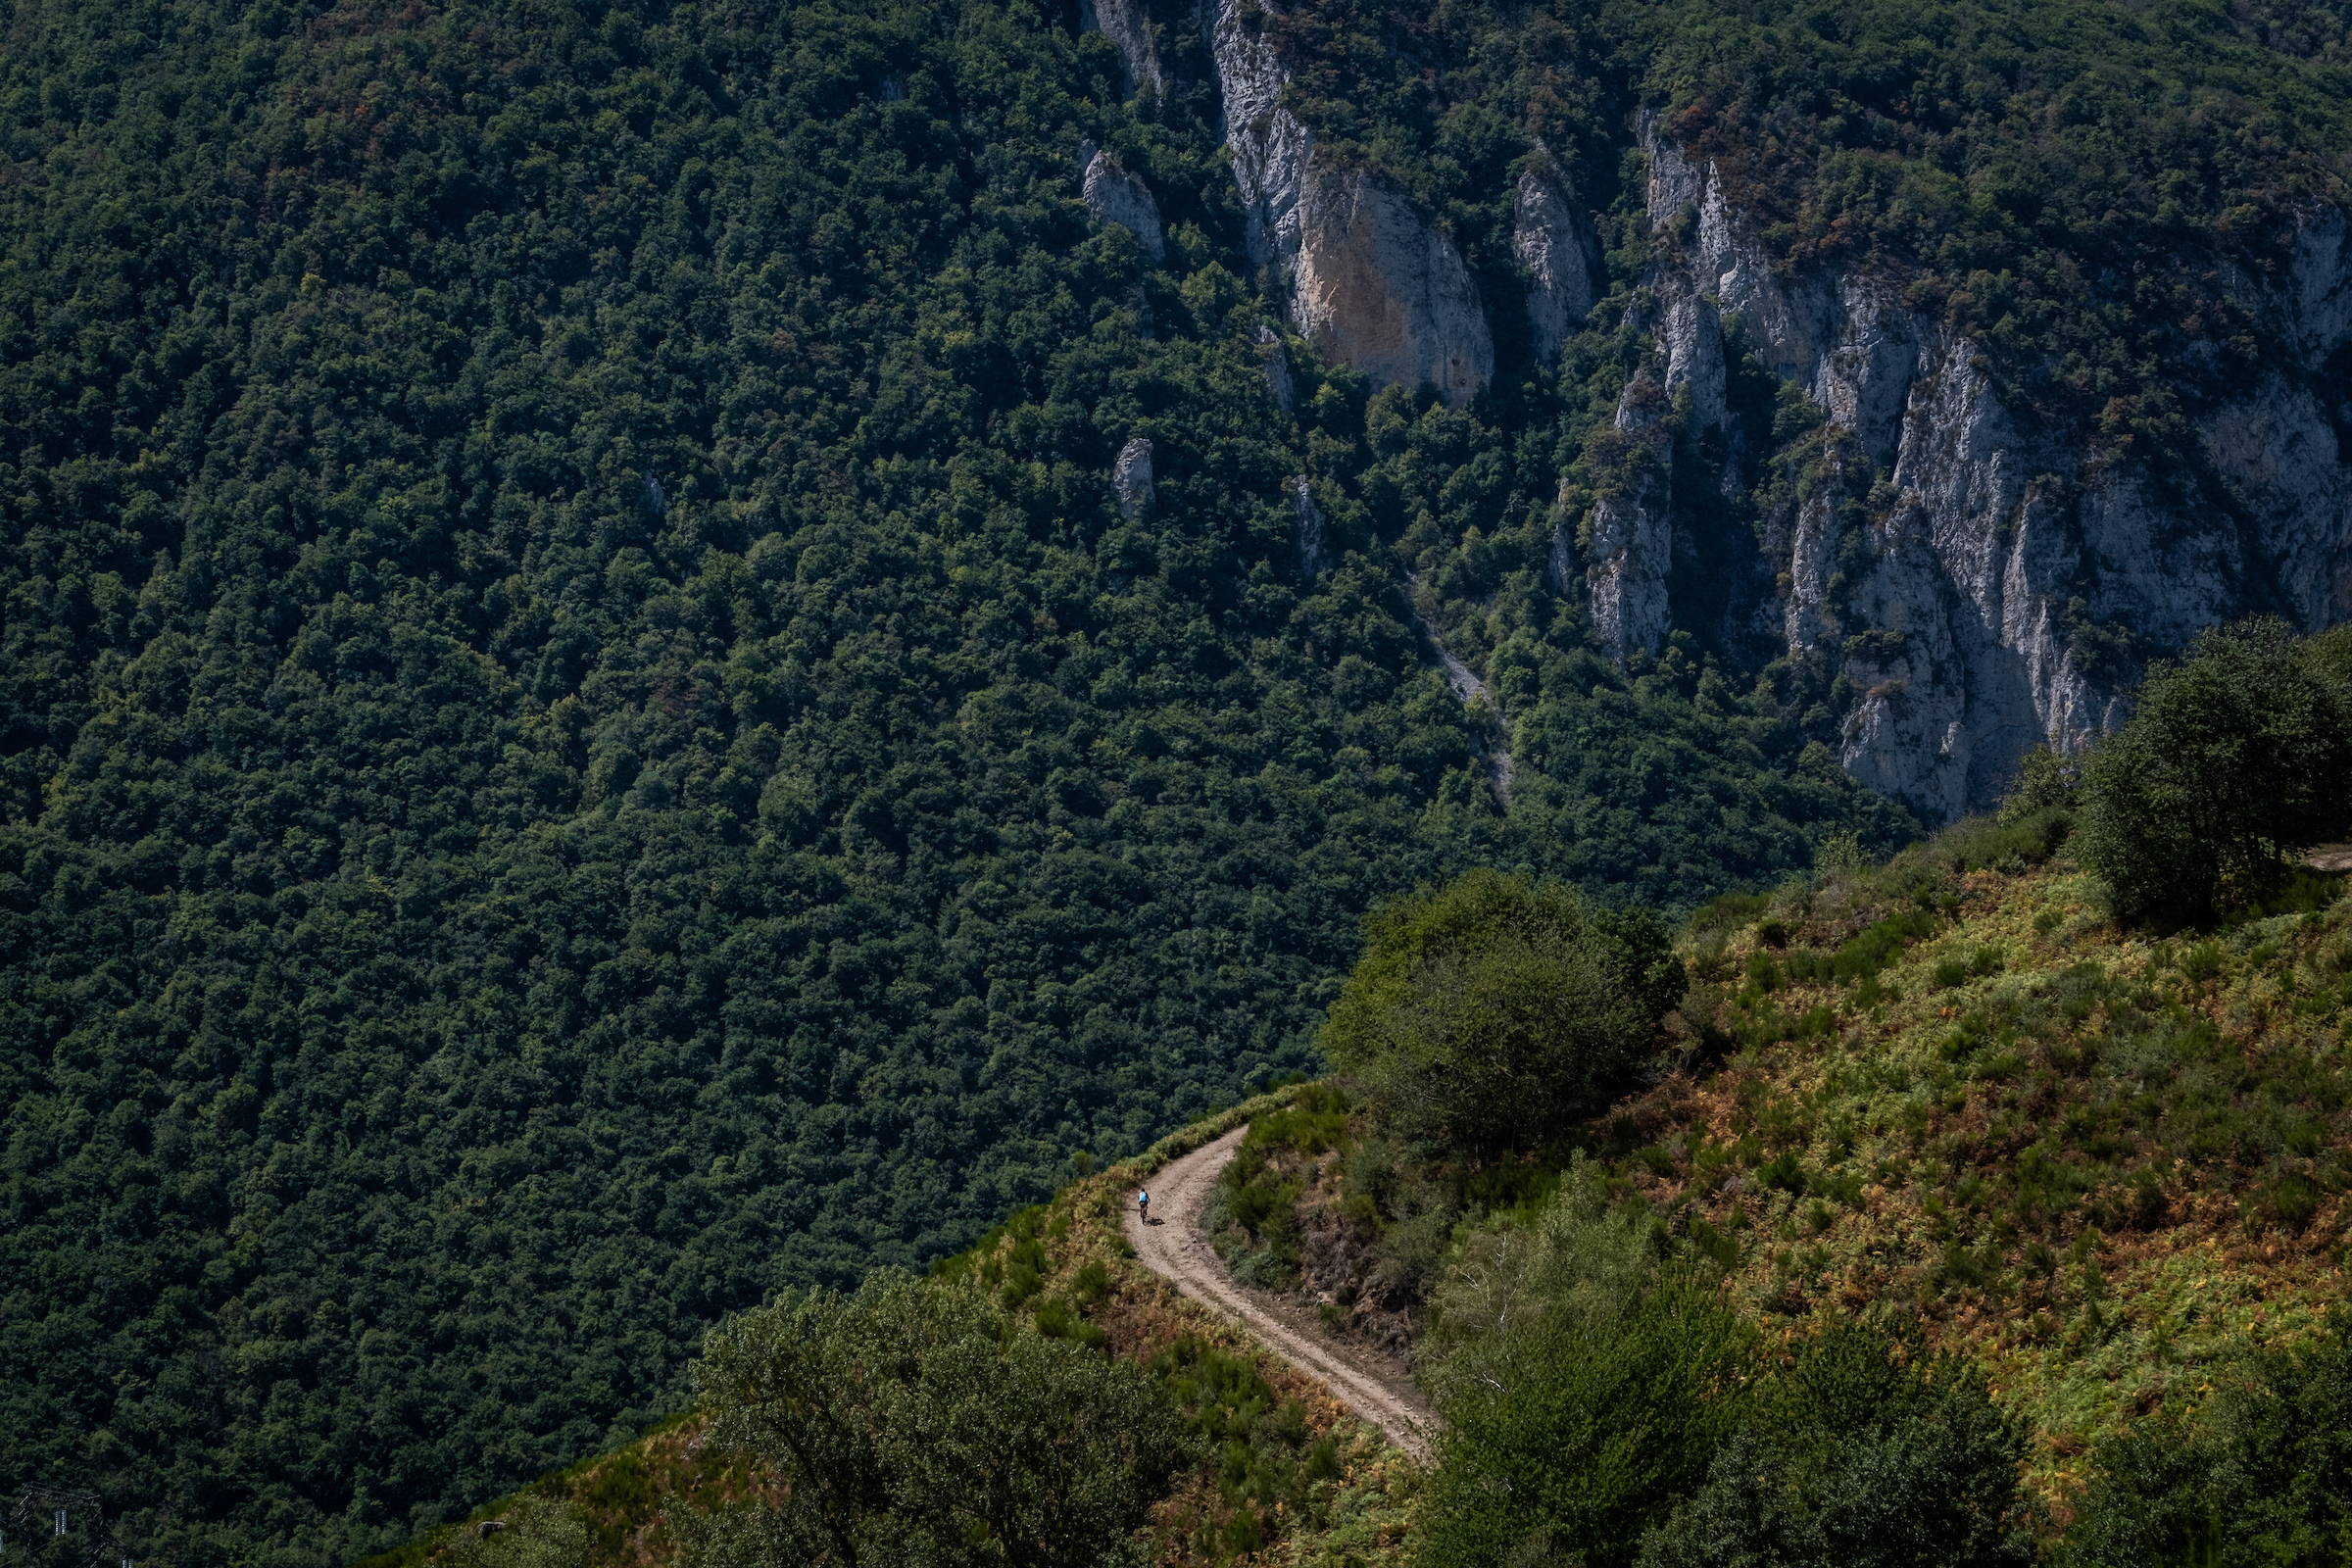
[2098, 1159]
[1948, 1092]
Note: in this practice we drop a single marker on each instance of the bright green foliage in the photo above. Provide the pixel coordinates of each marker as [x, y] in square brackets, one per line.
[1253, 1213]
[914, 1424]
[2046, 782]
[1272, 1473]
[1862, 1452]
[2237, 756]
[2259, 1475]
[1571, 1430]
[1603, 1400]
[1585, 1387]
[1492, 1013]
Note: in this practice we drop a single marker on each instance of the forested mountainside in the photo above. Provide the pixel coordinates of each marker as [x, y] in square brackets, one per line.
[1951, 1221]
[656, 651]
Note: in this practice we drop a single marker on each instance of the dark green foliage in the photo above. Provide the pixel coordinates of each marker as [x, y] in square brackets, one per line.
[1863, 1452]
[1493, 1013]
[2261, 1474]
[580, 740]
[2236, 757]
[2059, 177]
[913, 1424]
[1568, 1436]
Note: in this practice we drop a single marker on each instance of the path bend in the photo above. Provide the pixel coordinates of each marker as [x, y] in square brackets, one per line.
[1174, 1247]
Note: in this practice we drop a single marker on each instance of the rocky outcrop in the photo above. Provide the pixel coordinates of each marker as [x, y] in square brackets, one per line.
[1127, 24]
[1980, 581]
[1281, 385]
[1373, 281]
[1986, 540]
[1485, 712]
[1553, 242]
[1314, 557]
[1131, 478]
[1115, 196]
[1375, 285]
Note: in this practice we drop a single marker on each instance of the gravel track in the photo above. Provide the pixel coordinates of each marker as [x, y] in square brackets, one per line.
[1173, 1246]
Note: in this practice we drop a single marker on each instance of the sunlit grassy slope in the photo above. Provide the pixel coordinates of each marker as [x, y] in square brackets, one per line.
[2099, 1158]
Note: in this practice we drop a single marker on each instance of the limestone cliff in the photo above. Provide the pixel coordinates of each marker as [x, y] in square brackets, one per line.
[1987, 537]
[1372, 280]
[1131, 478]
[1115, 196]
[1981, 579]
[1552, 239]
[1127, 24]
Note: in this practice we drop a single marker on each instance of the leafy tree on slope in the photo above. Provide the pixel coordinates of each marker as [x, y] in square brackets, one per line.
[913, 1425]
[2237, 757]
[1492, 1014]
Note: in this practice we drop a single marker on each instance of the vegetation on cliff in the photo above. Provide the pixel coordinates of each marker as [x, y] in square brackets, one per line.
[583, 740]
[1952, 1216]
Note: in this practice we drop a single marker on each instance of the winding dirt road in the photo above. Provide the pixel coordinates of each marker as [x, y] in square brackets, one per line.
[1173, 1246]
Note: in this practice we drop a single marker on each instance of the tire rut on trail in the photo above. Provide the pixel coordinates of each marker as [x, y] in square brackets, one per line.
[1174, 1247]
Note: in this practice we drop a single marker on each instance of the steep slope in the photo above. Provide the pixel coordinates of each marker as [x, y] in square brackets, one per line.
[1949, 1096]
[1946, 1094]
[1169, 1240]
[2098, 1161]
[1285, 1474]
[2037, 441]
[655, 654]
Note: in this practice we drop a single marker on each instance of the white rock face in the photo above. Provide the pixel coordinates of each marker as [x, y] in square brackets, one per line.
[1629, 549]
[1553, 241]
[1314, 558]
[1281, 385]
[1373, 281]
[1131, 478]
[1377, 286]
[1115, 196]
[1127, 24]
[1953, 617]
[1948, 554]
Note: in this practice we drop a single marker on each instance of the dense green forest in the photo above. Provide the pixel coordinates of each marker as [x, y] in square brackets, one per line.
[584, 739]
[1983, 1207]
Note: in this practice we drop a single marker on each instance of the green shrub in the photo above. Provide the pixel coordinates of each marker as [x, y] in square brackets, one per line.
[915, 1423]
[1567, 1436]
[1494, 1012]
[2235, 760]
[2259, 1474]
[1864, 1452]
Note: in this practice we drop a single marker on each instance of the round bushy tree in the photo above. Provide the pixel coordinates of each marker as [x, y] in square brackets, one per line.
[2239, 757]
[1494, 1012]
[914, 1423]
[1863, 1452]
[1570, 1430]
[2258, 1475]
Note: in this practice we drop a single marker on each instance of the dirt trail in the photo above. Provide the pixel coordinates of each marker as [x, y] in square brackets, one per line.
[1173, 1246]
